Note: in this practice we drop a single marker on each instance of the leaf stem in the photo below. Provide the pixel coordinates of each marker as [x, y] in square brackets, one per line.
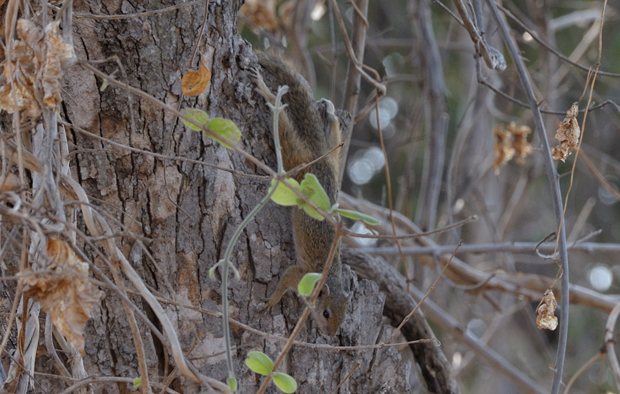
[553, 179]
[226, 263]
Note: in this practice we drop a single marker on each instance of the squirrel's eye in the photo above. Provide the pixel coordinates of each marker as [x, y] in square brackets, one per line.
[326, 314]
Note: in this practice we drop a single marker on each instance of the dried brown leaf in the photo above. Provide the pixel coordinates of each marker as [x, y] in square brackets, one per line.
[35, 54]
[21, 70]
[62, 50]
[58, 51]
[261, 13]
[520, 144]
[9, 183]
[286, 14]
[545, 310]
[195, 82]
[511, 142]
[20, 98]
[568, 134]
[503, 149]
[65, 292]
[28, 31]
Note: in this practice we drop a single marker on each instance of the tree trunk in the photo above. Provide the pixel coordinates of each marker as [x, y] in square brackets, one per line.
[173, 219]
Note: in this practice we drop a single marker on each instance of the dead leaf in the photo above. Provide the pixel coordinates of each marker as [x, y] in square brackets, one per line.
[9, 183]
[33, 35]
[58, 51]
[286, 13]
[62, 50]
[261, 13]
[522, 148]
[545, 310]
[503, 150]
[511, 141]
[21, 70]
[568, 134]
[64, 291]
[21, 99]
[36, 54]
[195, 82]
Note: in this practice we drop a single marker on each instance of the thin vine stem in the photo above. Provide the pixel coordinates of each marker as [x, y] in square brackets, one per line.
[225, 262]
[556, 195]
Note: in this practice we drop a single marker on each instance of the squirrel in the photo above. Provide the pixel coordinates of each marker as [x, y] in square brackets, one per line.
[304, 139]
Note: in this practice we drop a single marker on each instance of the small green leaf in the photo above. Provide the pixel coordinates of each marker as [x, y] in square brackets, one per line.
[284, 195]
[225, 128]
[221, 265]
[197, 115]
[311, 188]
[232, 383]
[259, 362]
[235, 271]
[137, 382]
[212, 272]
[104, 85]
[285, 382]
[358, 216]
[306, 284]
[311, 211]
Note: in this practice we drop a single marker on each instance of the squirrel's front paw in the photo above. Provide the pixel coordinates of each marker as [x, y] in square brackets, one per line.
[255, 74]
[261, 88]
[330, 110]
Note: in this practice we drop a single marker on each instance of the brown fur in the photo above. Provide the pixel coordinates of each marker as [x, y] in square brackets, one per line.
[303, 140]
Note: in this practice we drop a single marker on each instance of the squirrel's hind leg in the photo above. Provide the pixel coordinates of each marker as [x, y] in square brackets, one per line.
[289, 280]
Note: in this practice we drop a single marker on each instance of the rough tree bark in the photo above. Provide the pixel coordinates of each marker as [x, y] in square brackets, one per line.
[174, 218]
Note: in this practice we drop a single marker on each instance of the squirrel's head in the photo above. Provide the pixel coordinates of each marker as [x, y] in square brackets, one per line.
[330, 308]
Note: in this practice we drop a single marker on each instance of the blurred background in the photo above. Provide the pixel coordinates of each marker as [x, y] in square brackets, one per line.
[439, 122]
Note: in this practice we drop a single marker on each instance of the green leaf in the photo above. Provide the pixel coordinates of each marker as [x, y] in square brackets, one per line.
[311, 211]
[137, 382]
[358, 216]
[197, 115]
[232, 383]
[284, 195]
[212, 272]
[225, 128]
[306, 284]
[285, 382]
[311, 188]
[259, 362]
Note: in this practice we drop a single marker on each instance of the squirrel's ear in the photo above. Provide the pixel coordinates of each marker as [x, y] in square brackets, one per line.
[324, 290]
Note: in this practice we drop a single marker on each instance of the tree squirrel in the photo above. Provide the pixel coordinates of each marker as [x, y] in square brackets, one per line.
[304, 139]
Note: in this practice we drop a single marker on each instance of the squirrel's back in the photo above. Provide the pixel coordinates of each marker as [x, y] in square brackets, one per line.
[304, 138]
[309, 141]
